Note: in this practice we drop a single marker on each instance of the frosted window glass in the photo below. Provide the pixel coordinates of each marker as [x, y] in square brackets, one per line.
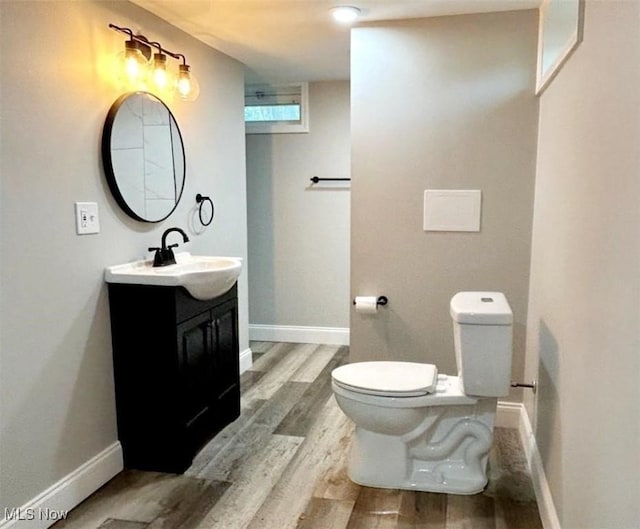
[263, 113]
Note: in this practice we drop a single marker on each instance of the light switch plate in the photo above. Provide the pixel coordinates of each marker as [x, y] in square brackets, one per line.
[452, 209]
[87, 220]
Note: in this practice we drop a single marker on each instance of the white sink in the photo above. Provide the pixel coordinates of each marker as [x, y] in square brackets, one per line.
[204, 277]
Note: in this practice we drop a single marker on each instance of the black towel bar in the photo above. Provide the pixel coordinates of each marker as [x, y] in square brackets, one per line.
[316, 179]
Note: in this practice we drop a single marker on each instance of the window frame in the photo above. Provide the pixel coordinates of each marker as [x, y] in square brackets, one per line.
[281, 127]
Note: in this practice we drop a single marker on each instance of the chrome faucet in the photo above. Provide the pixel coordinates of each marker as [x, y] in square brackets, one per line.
[164, 255]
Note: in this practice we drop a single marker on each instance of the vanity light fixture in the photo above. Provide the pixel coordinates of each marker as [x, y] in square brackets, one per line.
[345, 14]
[136, 66]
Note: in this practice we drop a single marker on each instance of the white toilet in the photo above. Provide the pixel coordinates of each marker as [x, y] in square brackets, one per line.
[418, 430]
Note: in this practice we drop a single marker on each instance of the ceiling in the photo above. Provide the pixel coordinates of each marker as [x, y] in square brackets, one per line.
[296, 40]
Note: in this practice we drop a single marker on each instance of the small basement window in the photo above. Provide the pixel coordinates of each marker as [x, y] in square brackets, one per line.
[270, 109]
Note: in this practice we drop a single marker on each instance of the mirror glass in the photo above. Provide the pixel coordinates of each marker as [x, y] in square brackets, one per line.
[143, 156]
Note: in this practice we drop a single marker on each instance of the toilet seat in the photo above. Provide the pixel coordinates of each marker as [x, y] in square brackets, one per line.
[387, 379]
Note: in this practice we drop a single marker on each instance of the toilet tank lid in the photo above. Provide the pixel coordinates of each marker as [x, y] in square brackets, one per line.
[481, 308]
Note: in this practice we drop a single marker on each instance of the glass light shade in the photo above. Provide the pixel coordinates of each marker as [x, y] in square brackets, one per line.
[134, 66]
[161, 78]
[187, 85]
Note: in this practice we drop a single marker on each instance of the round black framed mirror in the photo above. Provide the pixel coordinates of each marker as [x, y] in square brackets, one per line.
[143, 156]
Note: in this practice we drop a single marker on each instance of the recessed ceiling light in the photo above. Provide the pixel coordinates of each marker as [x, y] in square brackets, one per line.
[345, 14]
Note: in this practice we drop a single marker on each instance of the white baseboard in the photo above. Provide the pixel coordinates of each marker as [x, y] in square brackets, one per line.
[546, 506]
[52, 504]
[508, 414]
[299, 334]
[246, 360]
[514, 415]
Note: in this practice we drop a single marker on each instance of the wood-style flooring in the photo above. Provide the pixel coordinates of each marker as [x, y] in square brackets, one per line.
[281, 465]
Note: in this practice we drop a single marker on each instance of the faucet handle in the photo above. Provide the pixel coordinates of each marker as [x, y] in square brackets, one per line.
[157, 258]
[163, 257]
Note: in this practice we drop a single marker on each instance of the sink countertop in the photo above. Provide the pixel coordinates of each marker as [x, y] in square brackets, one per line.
[205, 277]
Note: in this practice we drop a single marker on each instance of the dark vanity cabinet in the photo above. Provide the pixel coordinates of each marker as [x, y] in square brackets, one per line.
[176, 365]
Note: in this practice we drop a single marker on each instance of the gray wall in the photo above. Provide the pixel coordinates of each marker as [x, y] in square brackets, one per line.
[299, 234]
[442, 103]
[584, 308]
[57, 405]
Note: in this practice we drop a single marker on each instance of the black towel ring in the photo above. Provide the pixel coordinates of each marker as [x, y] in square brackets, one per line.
[201, 199]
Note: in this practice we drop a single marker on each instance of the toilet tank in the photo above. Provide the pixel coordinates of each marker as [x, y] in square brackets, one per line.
[482, 332]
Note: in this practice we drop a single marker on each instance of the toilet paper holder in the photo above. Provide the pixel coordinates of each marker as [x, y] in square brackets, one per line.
[382, 300]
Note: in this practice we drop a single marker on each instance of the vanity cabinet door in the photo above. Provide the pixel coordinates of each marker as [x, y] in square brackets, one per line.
[209, 372]
[197, 358]
[227, 368]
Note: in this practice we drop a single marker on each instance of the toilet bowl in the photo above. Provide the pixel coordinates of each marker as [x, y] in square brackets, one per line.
[420, 430]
